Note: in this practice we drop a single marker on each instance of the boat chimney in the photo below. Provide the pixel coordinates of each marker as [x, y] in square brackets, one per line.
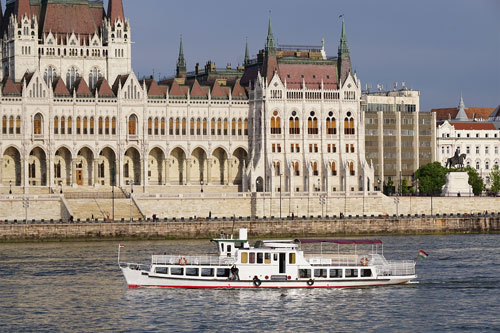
[243, 234]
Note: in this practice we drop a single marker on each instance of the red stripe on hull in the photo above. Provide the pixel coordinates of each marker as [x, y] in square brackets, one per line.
[252, 287]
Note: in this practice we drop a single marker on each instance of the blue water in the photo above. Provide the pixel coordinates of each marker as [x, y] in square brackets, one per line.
[78, 287]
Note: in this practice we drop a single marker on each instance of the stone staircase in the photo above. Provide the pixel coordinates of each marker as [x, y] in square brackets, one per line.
[103, 209]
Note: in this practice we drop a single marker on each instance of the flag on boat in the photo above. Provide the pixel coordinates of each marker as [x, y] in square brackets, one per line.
[422, 254]
[120, 246]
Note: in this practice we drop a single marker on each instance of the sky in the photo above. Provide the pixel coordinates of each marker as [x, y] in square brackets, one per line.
[441, 48]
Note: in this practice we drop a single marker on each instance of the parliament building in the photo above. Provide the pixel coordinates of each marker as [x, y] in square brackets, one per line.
[75, 115]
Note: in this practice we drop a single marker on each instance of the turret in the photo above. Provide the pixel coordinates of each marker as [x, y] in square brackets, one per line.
[115, 11]
[181, 62]
[247, 57]
[344, 58]
[270, 44]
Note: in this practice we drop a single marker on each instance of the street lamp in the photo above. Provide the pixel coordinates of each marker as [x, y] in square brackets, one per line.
[131, 193]
[201, 184]
[10, 183]
[378, 182]
[60, 187]
[280, 192]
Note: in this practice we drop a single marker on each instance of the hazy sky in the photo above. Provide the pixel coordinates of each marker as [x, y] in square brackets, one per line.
[440, 47]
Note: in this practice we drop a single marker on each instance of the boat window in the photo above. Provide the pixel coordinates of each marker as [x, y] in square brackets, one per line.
[320, 273]
[366, 272]
[351, 273]
[176, 271]
[260, 257]
[267, 258]
[228, 248]
[304, 273]
[275, 257]
[244, 257]
[335, 273]
[161, 270]
[222, 247]
[207, 272]
[238, 245]
[252, 257]
[291, 258]
[192, 271]
[222, 272]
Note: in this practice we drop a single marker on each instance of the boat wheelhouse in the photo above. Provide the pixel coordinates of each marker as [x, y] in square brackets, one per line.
[273, 264]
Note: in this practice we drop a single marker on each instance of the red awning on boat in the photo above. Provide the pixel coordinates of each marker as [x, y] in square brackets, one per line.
[341, 241]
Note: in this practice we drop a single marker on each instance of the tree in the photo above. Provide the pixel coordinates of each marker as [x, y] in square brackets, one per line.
[495, 179]
[431, 178]
[389, 188]
[475, 180]
[405, 189]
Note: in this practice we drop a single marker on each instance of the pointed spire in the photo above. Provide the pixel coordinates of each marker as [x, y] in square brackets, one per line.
[270, 45]
[247, 57]
[181, 62]
[115, 10]
[461, 115]
[344, 58]
[343, 47]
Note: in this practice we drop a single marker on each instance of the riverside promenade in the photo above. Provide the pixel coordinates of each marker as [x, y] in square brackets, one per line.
[19, 231]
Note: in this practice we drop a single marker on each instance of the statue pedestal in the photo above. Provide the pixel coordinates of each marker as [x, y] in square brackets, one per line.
[457, 185]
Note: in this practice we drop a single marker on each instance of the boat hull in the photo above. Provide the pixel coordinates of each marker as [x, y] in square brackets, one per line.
[142, 279]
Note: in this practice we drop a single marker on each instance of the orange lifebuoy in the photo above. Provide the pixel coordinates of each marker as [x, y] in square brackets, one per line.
[182, 261]
[364, 261]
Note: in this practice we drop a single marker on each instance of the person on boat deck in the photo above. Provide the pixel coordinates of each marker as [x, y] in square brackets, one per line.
[235, 273]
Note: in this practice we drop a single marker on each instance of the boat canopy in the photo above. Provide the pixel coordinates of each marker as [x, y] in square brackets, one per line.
[340, 241]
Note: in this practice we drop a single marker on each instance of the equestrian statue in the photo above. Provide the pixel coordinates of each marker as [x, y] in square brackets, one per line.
[456, 160]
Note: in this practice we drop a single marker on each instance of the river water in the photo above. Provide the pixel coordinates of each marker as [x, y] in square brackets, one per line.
[78, 287]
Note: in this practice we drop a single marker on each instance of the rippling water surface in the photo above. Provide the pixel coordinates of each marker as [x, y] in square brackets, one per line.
[79, 287]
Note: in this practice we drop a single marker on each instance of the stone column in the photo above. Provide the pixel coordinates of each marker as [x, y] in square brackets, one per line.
[95, 171]
[51, 171]
[229, 170]
[25, 172]
[167, 169]
[145, 172]
[119, 171]
[209, 170]
[73, 172]
[188, 163]
[1, 171]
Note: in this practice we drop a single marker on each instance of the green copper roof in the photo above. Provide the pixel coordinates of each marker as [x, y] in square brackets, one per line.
[271, 44]
[343, 47]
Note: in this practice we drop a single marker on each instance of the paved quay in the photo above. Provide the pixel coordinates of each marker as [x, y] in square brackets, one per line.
[15, 231]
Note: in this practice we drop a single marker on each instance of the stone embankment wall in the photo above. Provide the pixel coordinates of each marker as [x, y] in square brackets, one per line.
[256, 228]
[43, 207]
[267, 205]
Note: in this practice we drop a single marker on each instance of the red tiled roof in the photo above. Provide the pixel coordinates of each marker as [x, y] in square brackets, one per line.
[84, 20]
[9, 87]
[238, 91]
[175, 90]
[23, 8]
[119, 79]
[217, 91]
[153, 88]
[474, 126]
[197, 91]
[312, 75]
[103, 89]
[447, 113]
[59, 87]
[81, 87]
[115, 10]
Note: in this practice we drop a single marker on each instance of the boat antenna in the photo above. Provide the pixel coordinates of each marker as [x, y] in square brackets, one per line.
[232, 229]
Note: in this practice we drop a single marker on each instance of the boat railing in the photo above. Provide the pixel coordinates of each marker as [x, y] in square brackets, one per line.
[396, 268]
[192, 260]
[326, 259]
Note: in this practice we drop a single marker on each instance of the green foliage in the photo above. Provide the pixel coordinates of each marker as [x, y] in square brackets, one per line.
[389, 187]
[475, 180]
[431, 178]
[495, 179]
[405, 189]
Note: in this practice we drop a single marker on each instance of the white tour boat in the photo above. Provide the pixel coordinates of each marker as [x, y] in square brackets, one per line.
[272, 264]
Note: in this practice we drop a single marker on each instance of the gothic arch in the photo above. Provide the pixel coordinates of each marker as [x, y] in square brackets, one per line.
[11, 166]
[156, 166]
[37, 167]
[132, 165]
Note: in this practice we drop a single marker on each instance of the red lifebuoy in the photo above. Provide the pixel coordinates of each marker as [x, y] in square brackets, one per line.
[182, 261]
[364, 261]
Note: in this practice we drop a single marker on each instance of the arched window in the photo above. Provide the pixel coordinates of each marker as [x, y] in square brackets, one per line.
[37, 124]
[349, 124]
[92, 126]
[332, 167]
[63, 125]
[277, 168]
[219, 126]
[198, 126]
[157, 126]
[94, 76]
[150, 126]
[4, 125]
[49, 75]
[85, 125]
[315, 168]
[113, 126]
[70, 125]
[233, 127]
[11, 125]
[132, 125]
[163, 128]
[106, 127]
[56, 125]
[226, 127]
[293, 124]
[205, 126]
[191, 126]
[312, 124]
[240, 125]
[184, 130]
[296, 168]
[351, 169]
[100, 126]
[245, 125]
[71, 77]
[331, 126]
[18, 125]
[171, 126]
[212, 126]
[177, 126]
[275, 123]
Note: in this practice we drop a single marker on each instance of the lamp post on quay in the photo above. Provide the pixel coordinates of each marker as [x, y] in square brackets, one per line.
[60, 187]
[10, 183]
[201, 185]
[131, 193]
